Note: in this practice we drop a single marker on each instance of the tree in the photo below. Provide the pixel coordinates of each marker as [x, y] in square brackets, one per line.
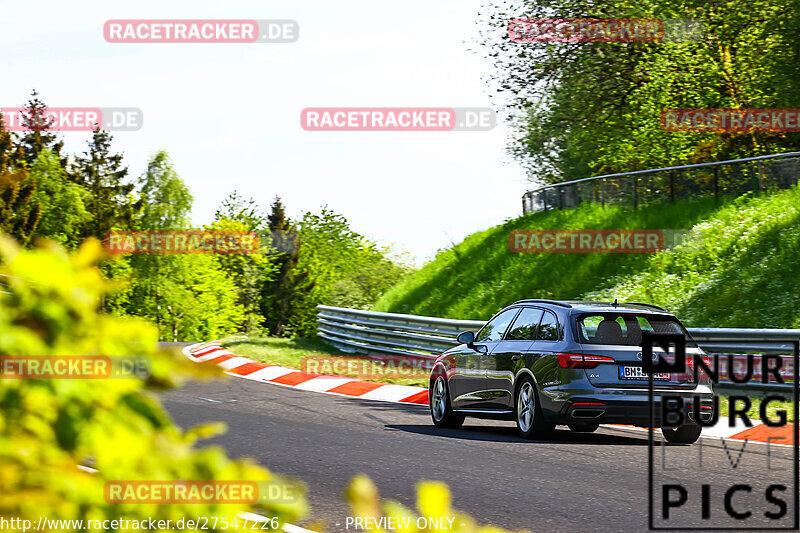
[20, 211]
[38, 135]
[187, 296]
[585, 107]
[63, 209]
[249, 273]
[284, 295]
[164, 198]
[103, 175]
[349, 269]
[246, 211]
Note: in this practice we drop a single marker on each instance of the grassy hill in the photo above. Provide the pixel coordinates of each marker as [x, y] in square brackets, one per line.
[738, 267]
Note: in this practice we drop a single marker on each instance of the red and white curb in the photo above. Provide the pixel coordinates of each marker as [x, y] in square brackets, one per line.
[243, 367]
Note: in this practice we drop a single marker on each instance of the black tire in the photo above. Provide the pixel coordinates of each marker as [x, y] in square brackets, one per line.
[584, 427]
[685, 434]
[439, 402]
[528, 412]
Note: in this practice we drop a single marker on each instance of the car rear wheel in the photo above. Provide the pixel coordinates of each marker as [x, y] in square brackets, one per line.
[530, 421]
[439, 401]
[584, 427]
[685, 434]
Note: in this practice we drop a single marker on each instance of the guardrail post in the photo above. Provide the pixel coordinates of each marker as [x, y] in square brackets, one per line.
[635, 192]
[560, 197]
[761, 175]
[603, 192]
[672, 187]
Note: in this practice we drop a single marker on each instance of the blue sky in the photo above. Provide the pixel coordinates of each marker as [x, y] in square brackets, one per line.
[229, 114]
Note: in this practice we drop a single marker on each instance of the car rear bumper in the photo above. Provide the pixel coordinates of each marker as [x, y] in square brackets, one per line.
[629, 407]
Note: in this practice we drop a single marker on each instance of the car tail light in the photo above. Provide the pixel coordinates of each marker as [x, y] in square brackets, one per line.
[576, 360]
[587, 403]
[690, 365]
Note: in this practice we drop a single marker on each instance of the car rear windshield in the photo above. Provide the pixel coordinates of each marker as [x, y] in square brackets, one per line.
[625, 328]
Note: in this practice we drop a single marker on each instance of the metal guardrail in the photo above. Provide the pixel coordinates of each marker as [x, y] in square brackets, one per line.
[370, 332]
[353, 330]
[639, 187]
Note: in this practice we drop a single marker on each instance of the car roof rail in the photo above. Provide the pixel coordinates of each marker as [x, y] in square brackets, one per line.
[645, 305]
[543, 301]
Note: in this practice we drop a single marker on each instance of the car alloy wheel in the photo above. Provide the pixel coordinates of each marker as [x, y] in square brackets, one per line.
[530, 421]
[439, 401]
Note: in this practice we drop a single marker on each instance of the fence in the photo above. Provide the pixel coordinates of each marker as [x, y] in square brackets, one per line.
[370, 332]
[734, 177]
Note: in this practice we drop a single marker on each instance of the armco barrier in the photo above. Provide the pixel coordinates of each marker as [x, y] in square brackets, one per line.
[370, 332]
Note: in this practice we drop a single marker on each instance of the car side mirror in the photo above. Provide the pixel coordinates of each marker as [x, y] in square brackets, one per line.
[466, 337]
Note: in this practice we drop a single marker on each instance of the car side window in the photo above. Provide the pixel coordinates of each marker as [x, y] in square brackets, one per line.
[496, 328]
[548, 328]
[524, 328]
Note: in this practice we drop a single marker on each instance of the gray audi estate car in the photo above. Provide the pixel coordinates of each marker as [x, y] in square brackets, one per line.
[544, 363]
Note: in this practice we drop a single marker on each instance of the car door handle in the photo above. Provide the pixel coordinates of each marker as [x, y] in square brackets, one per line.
[516, 357]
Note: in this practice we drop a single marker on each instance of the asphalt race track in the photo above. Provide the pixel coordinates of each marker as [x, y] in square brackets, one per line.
[575, 482]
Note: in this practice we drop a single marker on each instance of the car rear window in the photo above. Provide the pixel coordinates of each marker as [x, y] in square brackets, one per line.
[625, 328]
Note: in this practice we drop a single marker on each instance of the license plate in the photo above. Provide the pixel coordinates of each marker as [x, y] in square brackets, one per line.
[637, 372]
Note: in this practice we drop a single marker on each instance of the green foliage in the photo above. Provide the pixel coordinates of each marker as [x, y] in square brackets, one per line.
[188, 297]
[48, 427]
[110, 198]
[349, 270]
[246, 211]
[584, 108]
[38, 135]
[736, 269]
[285, 297]
[20, 211]
[165, 198]
[249, 273]
[63, 207]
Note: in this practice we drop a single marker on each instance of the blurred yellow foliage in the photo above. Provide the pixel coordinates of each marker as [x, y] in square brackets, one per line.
[49, 303]
[434, 511]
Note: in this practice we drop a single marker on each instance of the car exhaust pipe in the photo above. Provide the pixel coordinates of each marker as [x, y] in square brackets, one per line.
[705, 417]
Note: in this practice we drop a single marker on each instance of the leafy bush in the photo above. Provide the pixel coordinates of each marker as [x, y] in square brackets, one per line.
[48, 306]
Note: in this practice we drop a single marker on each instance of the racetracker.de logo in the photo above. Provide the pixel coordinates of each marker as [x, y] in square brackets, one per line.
[192, 492]
[368, 367]
[582, 241]
[731, 120]
[201, 31]
[600, 30]
[181, 242]
[73, 119]
[593, 30]
[73, 367]
[398, 119]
